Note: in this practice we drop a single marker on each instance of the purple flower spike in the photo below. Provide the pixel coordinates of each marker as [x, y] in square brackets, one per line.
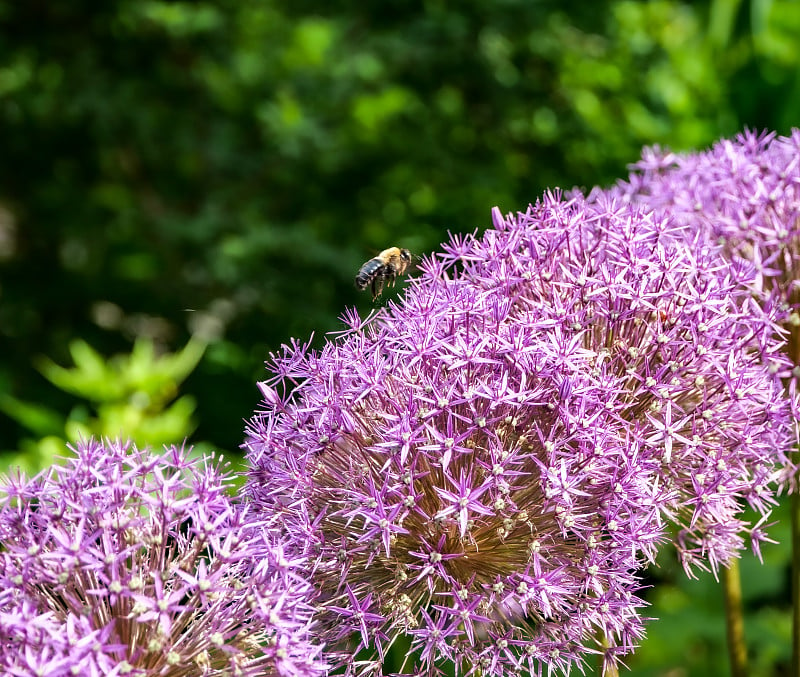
[129, 563]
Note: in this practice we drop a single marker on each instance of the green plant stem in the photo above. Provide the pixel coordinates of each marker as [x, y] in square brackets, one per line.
[607, 669]
[795, 503]
[732, 590]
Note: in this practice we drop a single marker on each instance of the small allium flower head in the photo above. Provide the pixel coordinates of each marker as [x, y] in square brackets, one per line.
[131, 563]
[455, 477]
[689, 359]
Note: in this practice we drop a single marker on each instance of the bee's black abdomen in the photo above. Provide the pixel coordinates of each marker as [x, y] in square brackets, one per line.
[368, 272]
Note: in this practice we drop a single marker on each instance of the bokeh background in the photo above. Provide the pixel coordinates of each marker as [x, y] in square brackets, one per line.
[185, 186]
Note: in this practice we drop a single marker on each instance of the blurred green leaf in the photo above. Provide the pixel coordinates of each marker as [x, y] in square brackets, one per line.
[131, 397]
[38, 419]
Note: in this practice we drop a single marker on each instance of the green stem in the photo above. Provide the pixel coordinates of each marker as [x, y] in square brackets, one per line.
[732, 590]
[607, 668]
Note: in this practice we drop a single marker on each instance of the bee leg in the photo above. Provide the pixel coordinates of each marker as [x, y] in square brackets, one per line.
[391, 274]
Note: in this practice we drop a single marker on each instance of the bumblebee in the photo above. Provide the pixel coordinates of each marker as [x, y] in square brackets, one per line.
[383, 268]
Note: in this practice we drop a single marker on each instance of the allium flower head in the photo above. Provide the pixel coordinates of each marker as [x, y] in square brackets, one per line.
[689, 359]
[131, 563]
[483, 465]
[455, 477]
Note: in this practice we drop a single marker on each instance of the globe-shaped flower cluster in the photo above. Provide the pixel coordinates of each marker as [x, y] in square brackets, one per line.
[127, 562]
[482, 468]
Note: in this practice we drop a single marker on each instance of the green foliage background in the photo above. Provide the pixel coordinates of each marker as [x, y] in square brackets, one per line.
[219, 170]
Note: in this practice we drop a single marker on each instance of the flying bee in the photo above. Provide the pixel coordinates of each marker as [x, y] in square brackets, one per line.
[383, 268]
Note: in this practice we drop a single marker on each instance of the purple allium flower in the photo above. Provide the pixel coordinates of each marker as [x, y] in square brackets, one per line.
[131, 563]
[690, 360]
[455, 478]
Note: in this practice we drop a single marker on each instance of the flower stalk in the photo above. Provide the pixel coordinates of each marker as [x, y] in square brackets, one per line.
[734, 620]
